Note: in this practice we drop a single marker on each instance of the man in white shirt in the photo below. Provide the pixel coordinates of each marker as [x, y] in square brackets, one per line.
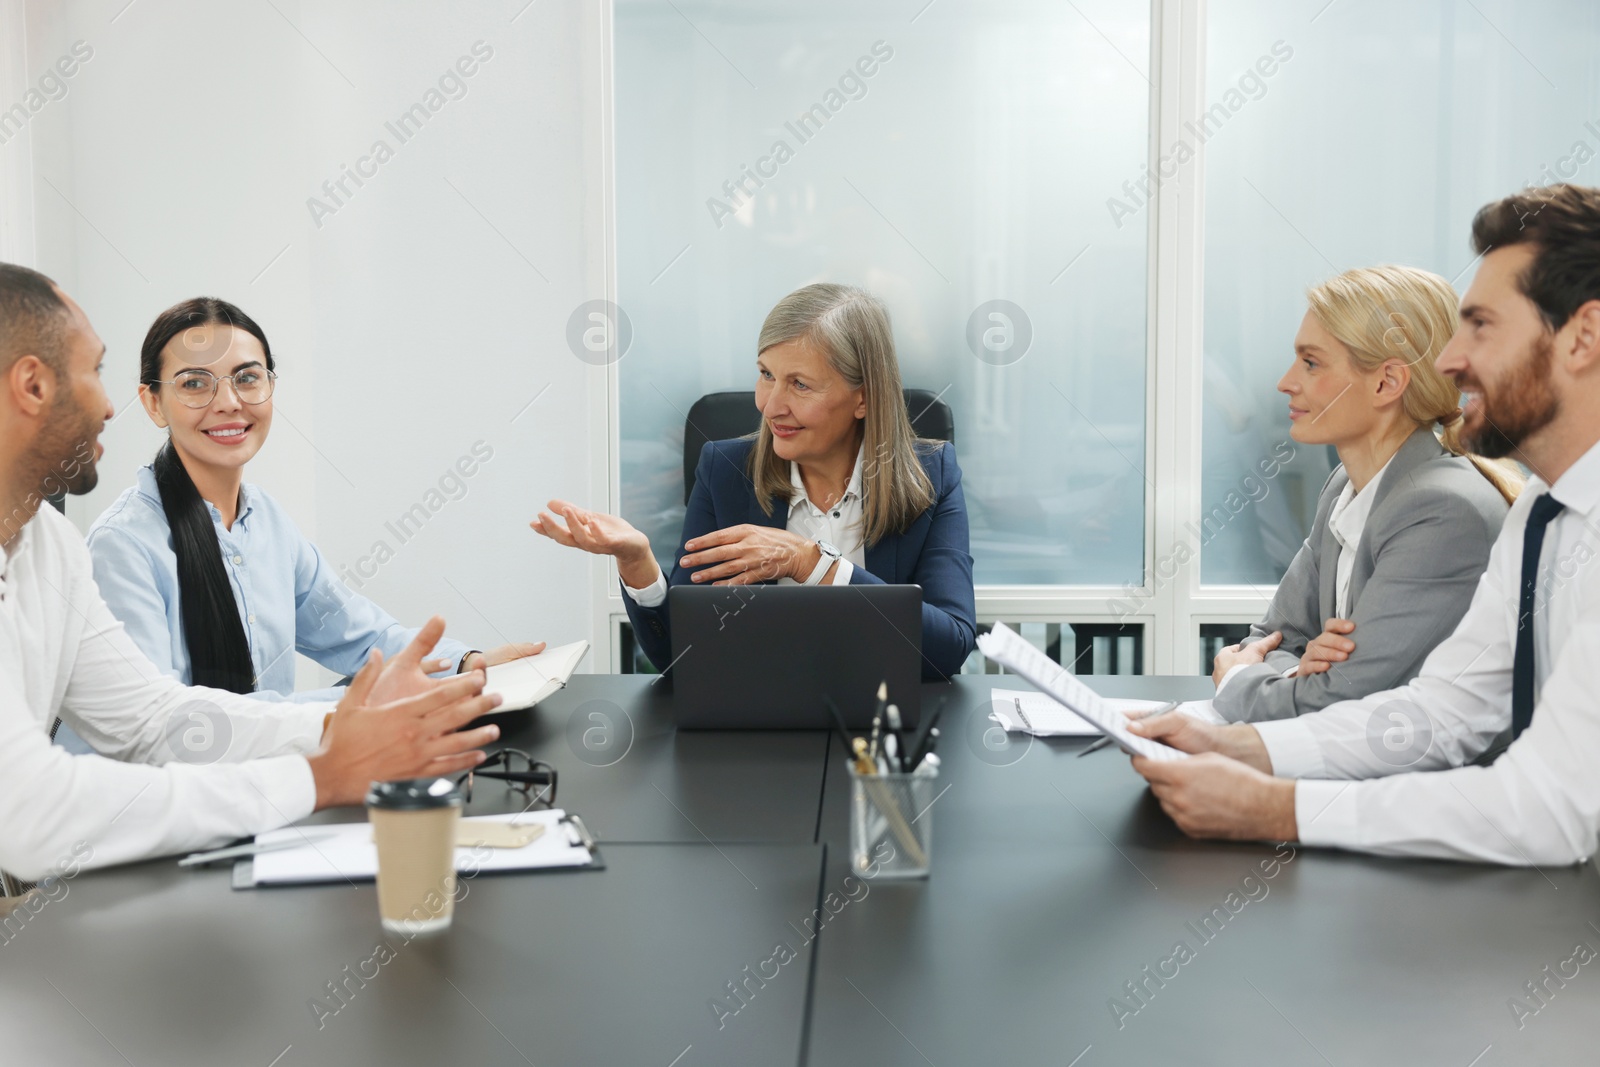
[1526, 655]
[189, 767]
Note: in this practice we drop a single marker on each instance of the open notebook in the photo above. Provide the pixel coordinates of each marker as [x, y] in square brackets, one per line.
[522, 683]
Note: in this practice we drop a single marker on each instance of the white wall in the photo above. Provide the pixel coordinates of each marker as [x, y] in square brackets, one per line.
[411, 324]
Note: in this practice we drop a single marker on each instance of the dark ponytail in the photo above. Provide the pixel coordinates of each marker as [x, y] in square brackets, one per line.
[219, 650]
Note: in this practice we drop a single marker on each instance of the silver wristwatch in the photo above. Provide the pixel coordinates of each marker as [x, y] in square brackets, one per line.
[829, 555]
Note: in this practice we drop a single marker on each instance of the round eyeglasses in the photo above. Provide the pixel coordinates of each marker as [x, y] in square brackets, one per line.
[534, 779]
[198, 388]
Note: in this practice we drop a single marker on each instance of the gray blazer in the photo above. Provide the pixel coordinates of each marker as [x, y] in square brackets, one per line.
[1425, 545]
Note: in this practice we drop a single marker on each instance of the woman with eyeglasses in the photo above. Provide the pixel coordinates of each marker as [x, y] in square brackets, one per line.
[211, 577]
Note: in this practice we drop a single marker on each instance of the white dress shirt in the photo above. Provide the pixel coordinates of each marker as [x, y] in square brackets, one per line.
[63, 653]
[839, 525]
[1539, 803]
[1347, 521]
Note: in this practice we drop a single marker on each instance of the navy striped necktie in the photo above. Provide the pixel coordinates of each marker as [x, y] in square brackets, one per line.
[1545, 508]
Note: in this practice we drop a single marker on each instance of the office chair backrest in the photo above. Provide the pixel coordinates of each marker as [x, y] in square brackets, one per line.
[719, 416]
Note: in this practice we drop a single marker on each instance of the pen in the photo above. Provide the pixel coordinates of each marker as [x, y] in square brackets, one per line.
[838, 721]
[1022, 715]
[1141, 717]
[922, 743]
[894, 743]
[200, 859]
[877, 719]
[863, 762]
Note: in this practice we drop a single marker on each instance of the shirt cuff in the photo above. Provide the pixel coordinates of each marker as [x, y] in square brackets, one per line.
[1292, 748]
[652, 595]
[1228, 677]
[288, 786]
[1325, 813]
[309, 723]
[842, 575]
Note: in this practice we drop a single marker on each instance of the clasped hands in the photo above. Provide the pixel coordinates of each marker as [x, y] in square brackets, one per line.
[1330, 647]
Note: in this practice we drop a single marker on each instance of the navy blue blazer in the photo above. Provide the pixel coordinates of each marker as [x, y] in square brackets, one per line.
[932, 552]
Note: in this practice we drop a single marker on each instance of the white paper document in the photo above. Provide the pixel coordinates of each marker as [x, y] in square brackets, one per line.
[1041, 716]
[1002, 645]
[350, 854]
[522, 683]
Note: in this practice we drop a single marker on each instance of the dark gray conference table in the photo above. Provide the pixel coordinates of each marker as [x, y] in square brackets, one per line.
[149, 965]
[1056, 881]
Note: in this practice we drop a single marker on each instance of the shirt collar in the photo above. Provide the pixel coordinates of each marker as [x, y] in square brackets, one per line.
[1350, 511]
[19, 548]
[799, 496]
[1579, 487]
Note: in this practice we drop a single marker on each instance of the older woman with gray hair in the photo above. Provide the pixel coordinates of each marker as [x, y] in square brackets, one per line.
[832, 489]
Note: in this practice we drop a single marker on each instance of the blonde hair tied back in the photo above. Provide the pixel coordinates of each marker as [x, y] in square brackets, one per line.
[1387, 313]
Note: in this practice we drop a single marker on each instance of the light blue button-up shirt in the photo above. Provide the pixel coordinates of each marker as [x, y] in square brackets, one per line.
[288, 597]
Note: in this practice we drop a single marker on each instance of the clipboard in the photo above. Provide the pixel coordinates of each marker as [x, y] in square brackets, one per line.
[350, 856]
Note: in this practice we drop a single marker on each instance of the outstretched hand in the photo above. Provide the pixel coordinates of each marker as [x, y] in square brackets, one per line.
[602, 535]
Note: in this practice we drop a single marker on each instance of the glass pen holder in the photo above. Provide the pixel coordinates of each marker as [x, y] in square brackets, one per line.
[891, 823]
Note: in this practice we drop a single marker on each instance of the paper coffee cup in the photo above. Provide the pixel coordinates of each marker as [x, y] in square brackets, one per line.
[414, 826]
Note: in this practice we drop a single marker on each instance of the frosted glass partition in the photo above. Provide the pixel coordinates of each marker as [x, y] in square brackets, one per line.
[1380, 130]
[943, 158]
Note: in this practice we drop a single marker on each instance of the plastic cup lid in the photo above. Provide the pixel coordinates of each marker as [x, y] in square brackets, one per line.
[414, 794]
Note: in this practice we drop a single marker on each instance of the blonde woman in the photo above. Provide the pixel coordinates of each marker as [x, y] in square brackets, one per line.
[1404, 524]
[833, 489]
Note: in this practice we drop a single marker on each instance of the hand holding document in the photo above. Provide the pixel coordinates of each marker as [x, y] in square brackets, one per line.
[522, 683]
[1010, 651]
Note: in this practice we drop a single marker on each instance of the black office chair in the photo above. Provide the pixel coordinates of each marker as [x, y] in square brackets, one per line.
[719, 416]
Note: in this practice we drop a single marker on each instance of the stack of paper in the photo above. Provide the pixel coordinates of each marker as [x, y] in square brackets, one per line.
[1024, 711]
[1003, 646]
[1041, 716]
[349, 854]
[522, 683]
